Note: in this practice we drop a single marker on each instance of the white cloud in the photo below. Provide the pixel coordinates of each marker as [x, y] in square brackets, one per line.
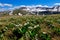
[45, 6]
[22, 5]
[2, 5]
[30, 6]
[34, 6]
[57, 4]
[39, 5]
[42, 6]
[10, 5]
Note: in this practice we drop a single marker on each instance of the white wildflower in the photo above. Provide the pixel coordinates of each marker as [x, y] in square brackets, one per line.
[6, 28]
[44, 32]
[20, 25]
[36, 26]
[17, 25]
[30, 27]
[26, 23]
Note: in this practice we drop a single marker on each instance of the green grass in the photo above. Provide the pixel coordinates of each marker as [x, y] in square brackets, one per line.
[30, 27]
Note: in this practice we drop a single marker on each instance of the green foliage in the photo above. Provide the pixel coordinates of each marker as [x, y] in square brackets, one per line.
[34, 31]
[1, 35]
[17, 33]
[56, 30]
[58, 21]
[11, 25]
[12, 19]
[4, 29]
[31, 26]
[23, 30]
[48, 23]
[45, 36]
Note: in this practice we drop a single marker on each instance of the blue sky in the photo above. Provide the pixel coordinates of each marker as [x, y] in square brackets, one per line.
[5, 4]
[30, 2]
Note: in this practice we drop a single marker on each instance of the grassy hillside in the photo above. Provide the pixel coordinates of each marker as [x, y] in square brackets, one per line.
[30, 27]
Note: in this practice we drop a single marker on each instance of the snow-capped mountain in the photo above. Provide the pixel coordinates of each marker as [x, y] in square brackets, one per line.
[37, 9]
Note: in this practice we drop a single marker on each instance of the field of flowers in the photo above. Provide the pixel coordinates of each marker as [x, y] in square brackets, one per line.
[30, 27]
